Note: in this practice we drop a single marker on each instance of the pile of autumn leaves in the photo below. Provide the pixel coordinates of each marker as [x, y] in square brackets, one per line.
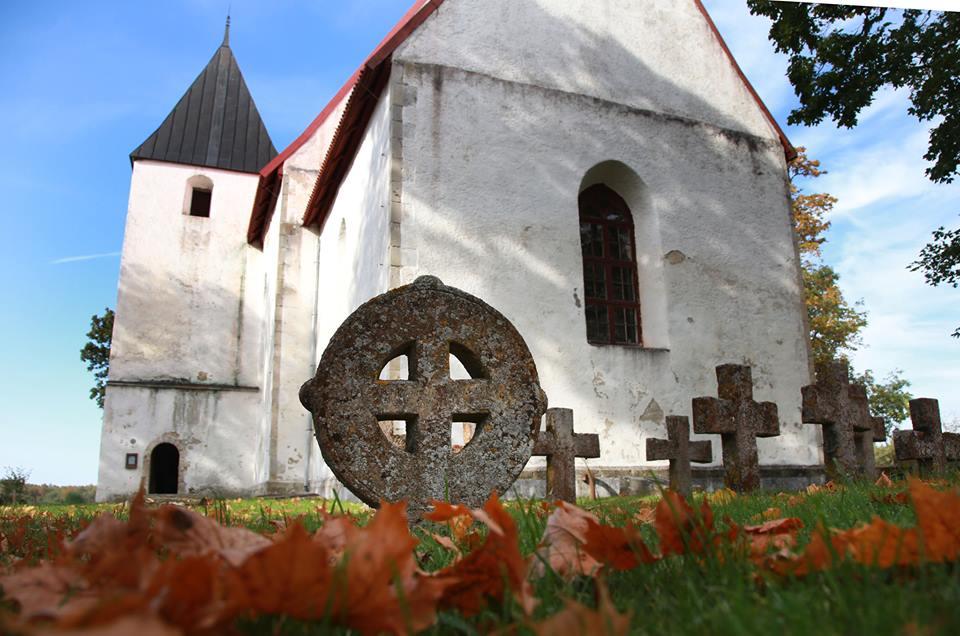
[169, 570]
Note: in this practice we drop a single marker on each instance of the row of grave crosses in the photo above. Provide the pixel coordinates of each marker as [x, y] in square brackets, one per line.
[841, 408]
[344, 391]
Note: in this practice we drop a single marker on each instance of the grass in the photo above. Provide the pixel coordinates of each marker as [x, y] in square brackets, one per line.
[685, 595]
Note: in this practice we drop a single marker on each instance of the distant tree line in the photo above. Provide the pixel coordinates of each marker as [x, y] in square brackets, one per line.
[15, 489]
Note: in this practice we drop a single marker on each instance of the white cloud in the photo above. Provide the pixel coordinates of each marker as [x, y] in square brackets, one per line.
[85, 257]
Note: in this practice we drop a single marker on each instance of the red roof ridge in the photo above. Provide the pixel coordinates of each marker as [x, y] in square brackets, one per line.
[272, 173]
[788, 150]
[372, 78]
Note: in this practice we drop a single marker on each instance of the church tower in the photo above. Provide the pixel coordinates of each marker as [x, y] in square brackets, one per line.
[183, 402]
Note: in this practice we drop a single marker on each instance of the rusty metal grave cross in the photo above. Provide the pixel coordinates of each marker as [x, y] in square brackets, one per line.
[680, 451]
[739, 420]
[865, 441]
[926, 443]
[562, 446]
[427, 322]
[840, 408]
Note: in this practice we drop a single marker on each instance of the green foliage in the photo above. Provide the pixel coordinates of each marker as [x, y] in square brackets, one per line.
[889, 399]
[840, 56]
[96, 353]
[13, 485]
[835, 325]
[940, 261]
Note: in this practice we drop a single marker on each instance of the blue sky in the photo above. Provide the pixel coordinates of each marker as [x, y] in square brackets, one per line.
[85, 83]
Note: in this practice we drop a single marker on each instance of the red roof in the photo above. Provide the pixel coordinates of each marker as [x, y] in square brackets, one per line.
[364, 89]
[346, 136]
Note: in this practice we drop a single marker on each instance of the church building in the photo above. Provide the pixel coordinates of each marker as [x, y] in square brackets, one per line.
[602, 173]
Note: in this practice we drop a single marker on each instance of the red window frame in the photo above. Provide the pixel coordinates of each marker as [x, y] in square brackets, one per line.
[605, 215]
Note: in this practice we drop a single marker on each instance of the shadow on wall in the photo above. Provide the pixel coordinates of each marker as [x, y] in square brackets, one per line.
[509, 161]
[172, 333]
[196, 330]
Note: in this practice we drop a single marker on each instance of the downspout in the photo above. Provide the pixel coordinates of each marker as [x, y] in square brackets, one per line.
[316, 361]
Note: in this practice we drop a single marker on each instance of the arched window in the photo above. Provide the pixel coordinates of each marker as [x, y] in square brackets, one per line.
[164, 469]
[609, 268]
[199, 196]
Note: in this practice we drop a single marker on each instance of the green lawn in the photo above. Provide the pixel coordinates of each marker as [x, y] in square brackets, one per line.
[682, 595]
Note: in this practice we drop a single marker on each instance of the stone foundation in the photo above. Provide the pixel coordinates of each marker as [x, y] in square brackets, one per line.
[648, 481]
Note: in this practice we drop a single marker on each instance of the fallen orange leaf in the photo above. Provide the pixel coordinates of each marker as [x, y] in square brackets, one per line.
[576, 618]
[561, 548]
[491, 571]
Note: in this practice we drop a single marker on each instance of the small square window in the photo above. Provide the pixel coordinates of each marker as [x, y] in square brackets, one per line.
[200, 202]
[131, 463]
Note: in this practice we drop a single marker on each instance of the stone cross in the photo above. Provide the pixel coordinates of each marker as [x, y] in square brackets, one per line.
[427, 322]
[840, 408]
[562, 446]
[739, 420]
[680, 451]
[926, 443]
[865, 441]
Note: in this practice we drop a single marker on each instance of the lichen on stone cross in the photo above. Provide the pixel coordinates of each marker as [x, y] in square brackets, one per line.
[840, 408]
[680, 451]
[739, 420]
[562, 446]
[926, 443]
[865, 441]
[427, 322]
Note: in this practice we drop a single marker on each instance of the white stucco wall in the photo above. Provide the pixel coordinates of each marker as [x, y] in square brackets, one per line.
[497, 147]
[189, 312]
[650, 54]
[355, 242]
[353, 253]
[213, 431]
[185, 310]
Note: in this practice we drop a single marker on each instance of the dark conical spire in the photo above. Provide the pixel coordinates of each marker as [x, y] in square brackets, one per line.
[215, 123]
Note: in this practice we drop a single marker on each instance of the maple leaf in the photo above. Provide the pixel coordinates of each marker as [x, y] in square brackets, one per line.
[186, 533]
[141, 625]
[576, 618]
[645, 515]
[769, 513]
[680, 529]
[190, 593]
[722, 496]
[492, 570]
[938, 520]
[561, 547]
[46, 591]
[459, 521]
[335, 534]
[882, 544]
[617, 548]
[775, 526]
[378, 587]
[109, 550]
[776, 535]
[291, 576]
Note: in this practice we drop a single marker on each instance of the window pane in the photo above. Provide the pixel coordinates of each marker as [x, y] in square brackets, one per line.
[598, 328]
[620, 243]
[591, 239]
[594, 284]
[200, 202]
[625, 325]
[623, 284]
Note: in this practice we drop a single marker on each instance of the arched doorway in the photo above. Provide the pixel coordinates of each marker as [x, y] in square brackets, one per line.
[164, 469]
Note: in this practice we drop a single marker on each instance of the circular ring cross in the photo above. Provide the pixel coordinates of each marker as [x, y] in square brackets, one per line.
[427, 322]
